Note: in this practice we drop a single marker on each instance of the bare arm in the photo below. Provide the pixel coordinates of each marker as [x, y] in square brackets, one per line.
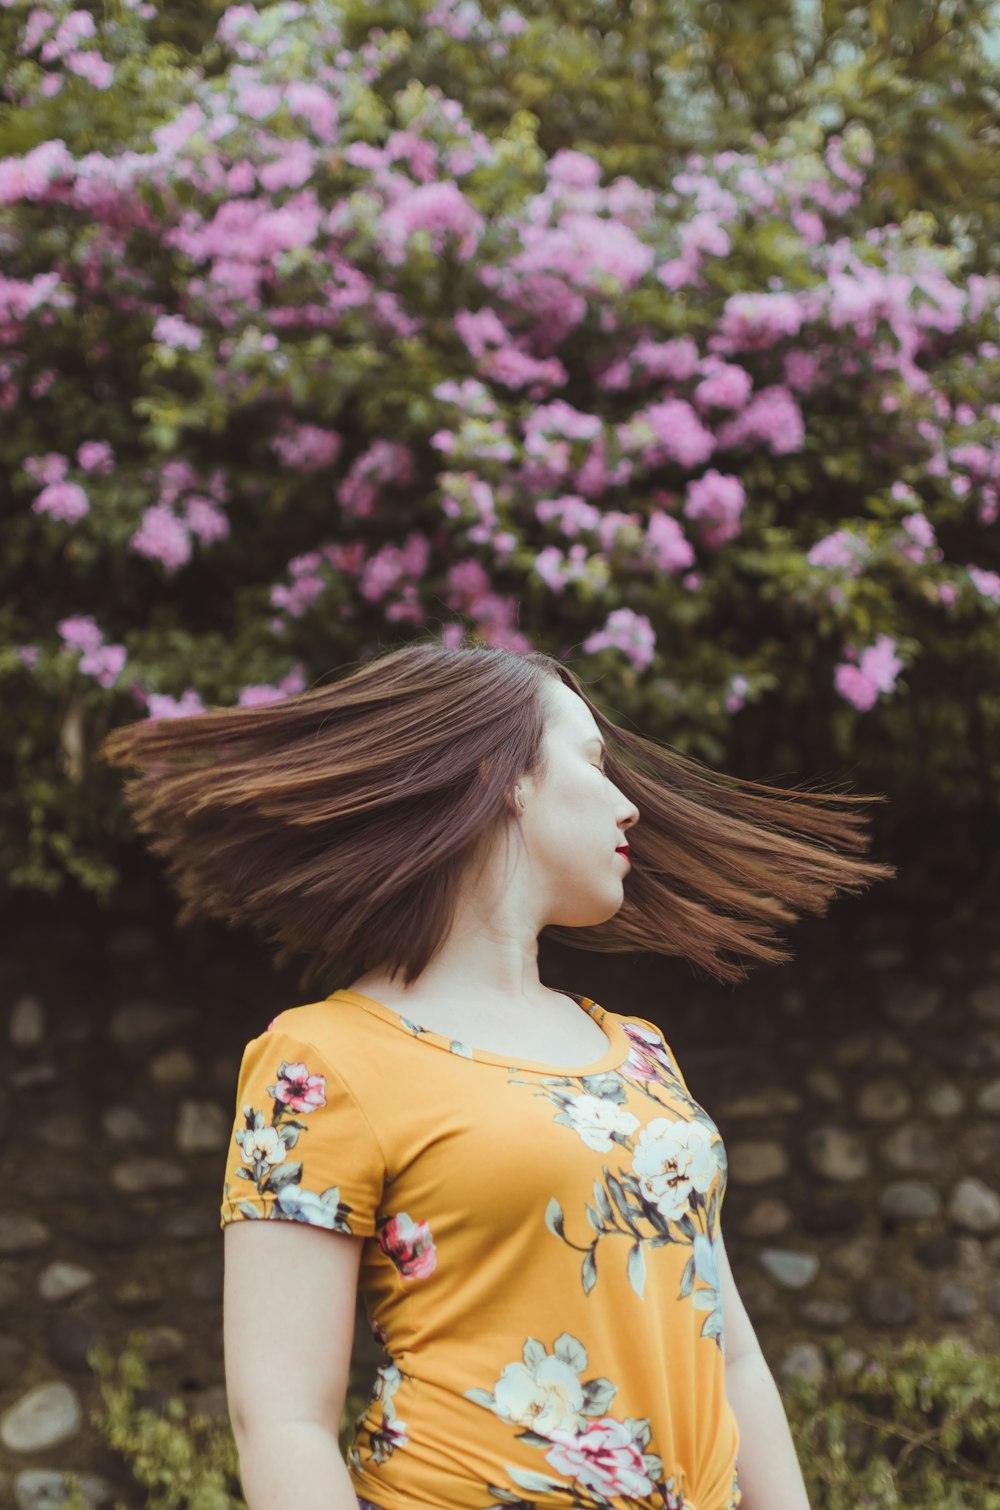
[288, 1325]
[770, 1475]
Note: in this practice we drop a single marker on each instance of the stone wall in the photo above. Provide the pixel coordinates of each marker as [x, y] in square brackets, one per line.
[857, 1089]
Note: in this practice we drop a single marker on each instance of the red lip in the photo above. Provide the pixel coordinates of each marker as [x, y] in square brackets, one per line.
[625, 853]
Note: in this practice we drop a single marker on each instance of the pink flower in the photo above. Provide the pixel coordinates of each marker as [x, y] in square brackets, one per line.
[205, 519]
[773, 417]
[171, 330]
[876, 672]
[297, 1090]
[842, 549]
[647, 1058]
[588, 250]
[605, 1459]
[62, 500]
[681, 435]
[307, 448]
[736, 695]
[80, 632]
[91, 66]
[440, 208]
[257, 696]
[630, 632]
[985, 582]
[52, 467]
[95, 456]
[666, 547]
[573, 170]
[290, 169]
[162, 537]
[719, 501]
[410, 1246]
[756, 321]
[727, 388]
[104, 663]
[162, 705]
[27, 654]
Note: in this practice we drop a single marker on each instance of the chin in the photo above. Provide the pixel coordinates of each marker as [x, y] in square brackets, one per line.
[589, 914]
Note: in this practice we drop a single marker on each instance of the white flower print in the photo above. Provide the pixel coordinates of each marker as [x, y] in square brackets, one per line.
[547, 1397]
[260, 1144]
[595, 1118]
[300, 1205]
[672, 1159]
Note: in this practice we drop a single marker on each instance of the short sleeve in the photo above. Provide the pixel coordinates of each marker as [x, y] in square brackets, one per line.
[301, 1149]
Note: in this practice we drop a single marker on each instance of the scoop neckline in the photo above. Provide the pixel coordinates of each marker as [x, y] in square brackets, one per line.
[616, 1053]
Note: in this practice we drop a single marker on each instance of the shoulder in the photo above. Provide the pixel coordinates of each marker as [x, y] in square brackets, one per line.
[325, 1026]
[648, 1041]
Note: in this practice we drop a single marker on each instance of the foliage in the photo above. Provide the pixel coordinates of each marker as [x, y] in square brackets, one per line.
[914, 1425]
[181, 1459]
[322, 333]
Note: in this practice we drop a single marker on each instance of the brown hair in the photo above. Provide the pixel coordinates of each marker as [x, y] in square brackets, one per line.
[339, 821]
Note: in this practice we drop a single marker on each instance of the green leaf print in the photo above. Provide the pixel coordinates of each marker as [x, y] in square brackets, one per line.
[571, 1350]
[540, 1483]
[637, 1268]
[597, 1396]
[603, 1204]
[480, 1396]
[554, 1219]
[589, 1272]
[533, 1353]
[594, 1218]
[282, 1175]
[621, 1201]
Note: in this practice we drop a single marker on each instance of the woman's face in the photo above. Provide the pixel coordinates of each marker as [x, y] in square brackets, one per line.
[573, 820]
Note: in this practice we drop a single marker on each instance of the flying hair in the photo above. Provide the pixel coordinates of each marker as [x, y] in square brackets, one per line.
[339, 823]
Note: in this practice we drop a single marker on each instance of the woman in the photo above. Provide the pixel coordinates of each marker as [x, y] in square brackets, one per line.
[518, 1180]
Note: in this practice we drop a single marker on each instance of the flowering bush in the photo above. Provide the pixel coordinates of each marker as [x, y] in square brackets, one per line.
[306, 357]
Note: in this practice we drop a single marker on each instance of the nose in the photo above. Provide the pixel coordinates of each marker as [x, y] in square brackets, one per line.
[631, 818]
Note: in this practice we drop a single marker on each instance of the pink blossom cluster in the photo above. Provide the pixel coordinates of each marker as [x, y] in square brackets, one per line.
[306, 448]
[57, 42]
[185, 509]
[61, 498]
[256, 695]
[470, 498]
[80, 632]
[383, 464]
[587, 430]
[628, 632]
[843, 550]
[469, 592]
[864, 675]
[392, 576]
[308, 583]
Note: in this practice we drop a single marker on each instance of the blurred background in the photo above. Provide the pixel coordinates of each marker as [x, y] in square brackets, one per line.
[663, 337]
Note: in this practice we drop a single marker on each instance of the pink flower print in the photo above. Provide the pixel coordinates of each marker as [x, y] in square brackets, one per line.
[378, 1332]
[297, 1089]
[647, 1057]
[605, 1459]
[410, 1246]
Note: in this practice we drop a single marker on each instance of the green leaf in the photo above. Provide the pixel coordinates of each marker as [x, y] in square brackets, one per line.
[637, 1268]
[571, 1351]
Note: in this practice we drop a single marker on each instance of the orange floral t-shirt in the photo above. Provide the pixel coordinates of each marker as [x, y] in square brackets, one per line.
[541, 1260]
